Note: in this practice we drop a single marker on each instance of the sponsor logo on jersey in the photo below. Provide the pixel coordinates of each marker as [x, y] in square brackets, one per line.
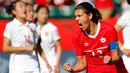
[86, 44]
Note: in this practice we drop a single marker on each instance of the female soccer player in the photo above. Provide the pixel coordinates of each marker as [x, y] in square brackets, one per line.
[123, 23]
[18, 40]
[95, 44]
[50, 40]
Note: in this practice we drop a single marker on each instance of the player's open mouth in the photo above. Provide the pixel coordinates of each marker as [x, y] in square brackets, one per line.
[80, 24]
[25, 12]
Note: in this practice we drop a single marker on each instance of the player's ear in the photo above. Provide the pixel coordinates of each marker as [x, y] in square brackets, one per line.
[14, 12]
[90, 16]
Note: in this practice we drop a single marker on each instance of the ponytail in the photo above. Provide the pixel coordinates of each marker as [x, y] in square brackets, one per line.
[96, 16]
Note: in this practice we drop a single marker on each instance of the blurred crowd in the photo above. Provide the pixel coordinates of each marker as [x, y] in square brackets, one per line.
[65, 8]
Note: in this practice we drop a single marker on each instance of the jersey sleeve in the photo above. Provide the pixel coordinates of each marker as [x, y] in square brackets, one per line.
[122, 21]
[113, 39]
[7, 32]
[55, 34]
[77, 46]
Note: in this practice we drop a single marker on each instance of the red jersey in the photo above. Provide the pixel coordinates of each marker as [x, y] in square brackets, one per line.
[85, 44]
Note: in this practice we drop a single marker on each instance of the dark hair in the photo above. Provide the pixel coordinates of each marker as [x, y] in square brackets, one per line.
[90, 9]
[128, 1]
[11, 7]
[38, 8]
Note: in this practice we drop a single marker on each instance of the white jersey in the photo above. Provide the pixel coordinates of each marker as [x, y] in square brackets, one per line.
[20, 35]
[49, 34]
[124, 22]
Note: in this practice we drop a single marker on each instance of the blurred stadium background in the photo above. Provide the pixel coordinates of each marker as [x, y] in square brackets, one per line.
[62, 15]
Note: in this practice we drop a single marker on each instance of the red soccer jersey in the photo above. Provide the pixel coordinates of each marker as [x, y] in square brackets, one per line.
[85, 44]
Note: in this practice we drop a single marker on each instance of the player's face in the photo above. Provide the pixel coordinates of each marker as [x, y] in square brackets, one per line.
[20, 11]
[42, 15]
[30, 13]
[82, 19]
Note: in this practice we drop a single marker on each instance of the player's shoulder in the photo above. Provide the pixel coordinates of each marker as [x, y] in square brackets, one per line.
[31, 23]
[51, 26]
[10, 24]
[77, 35]
[106, 27]
[125, 16]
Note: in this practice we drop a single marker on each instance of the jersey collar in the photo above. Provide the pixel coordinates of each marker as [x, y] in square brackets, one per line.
[98, 29]
[17, 22]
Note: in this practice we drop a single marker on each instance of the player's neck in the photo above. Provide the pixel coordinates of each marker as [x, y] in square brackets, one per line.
[21, 20]
[92, 29]
[40, 23]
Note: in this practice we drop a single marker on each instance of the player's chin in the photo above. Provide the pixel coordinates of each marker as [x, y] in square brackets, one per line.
[82, 29]
[23, 16]
[30, 19]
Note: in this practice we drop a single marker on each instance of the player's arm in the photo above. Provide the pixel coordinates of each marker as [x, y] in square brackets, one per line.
[9, 49]
[114, 54]
[79, 66]
[42, 54]
[126, 51]
[46, 61]
[113, 46]
[59, 52]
